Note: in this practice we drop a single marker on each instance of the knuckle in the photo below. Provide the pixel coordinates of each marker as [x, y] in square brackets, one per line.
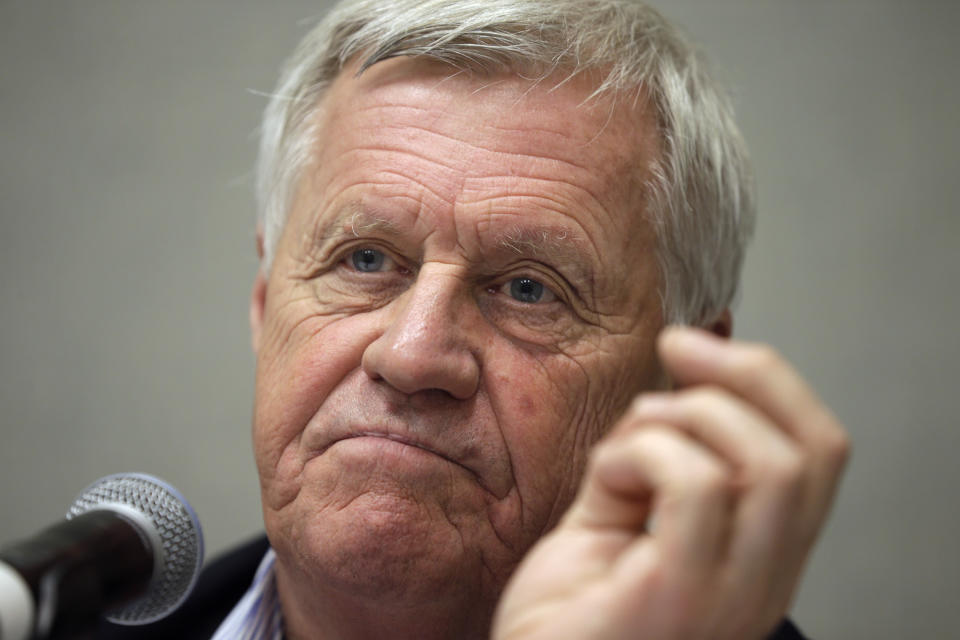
[788, 472]
[830, 441]
[654, 436]
[703, 397]
[837, 447]
[703, 403]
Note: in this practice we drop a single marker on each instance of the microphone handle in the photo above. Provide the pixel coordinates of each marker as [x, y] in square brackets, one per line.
[79, 568]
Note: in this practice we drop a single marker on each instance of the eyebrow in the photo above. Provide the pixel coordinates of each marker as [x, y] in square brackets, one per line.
[353, 221]
[534, 240]
[361, 222]
[561, 246]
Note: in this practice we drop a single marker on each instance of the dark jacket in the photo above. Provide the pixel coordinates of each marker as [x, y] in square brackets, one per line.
[221, 585]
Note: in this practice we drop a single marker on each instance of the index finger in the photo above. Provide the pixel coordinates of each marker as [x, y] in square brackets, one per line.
[758, 375]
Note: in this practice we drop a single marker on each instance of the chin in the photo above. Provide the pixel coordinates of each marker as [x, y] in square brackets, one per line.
[381, 548]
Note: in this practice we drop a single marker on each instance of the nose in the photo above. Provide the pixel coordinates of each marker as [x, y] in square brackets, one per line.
[426, 344]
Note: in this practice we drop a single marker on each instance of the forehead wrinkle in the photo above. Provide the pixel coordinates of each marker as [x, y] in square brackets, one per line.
[511, 193]
[418, 119]
[493, 146]
[418, 114]
[413, 181]
[561, 133]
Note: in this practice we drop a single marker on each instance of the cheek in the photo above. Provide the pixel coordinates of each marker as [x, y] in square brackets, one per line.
[540, 404]
[303, 358]
[553, 407]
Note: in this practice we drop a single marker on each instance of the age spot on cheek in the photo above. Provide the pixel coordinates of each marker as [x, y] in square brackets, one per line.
[526, 406]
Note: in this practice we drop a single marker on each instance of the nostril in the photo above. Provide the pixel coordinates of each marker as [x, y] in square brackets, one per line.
[431, 398]
[371, 373]
[424, 400]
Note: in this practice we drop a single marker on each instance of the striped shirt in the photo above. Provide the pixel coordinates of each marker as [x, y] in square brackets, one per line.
[257, 616]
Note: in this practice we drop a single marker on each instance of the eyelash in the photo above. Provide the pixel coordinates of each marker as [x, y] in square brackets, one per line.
[513, 286]
[347, 260]
[519, 284]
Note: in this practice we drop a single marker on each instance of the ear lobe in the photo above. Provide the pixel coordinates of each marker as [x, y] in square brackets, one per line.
[722, 326]
[258, 300]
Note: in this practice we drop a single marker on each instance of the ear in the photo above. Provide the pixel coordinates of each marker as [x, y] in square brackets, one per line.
[258, 297]
[723, 325]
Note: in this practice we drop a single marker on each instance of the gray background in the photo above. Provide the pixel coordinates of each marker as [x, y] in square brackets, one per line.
[126, 254]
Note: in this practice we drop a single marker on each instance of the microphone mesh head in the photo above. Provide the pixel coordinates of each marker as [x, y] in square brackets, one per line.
[176, 527]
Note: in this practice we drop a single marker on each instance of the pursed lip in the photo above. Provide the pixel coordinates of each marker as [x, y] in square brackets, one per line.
[462, 456]
[396, 438]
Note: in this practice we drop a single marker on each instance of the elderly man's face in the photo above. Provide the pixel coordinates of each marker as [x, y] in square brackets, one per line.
[462, 302]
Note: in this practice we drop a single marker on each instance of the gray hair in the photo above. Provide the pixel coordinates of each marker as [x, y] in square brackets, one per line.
[701, 194]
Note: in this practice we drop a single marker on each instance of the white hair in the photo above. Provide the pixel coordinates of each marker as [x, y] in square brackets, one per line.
[701, 194]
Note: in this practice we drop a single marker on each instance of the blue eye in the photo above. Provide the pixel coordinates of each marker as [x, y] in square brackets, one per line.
[367, 260]
[526, 290]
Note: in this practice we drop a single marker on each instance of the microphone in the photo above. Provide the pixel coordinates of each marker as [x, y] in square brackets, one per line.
[131, 548]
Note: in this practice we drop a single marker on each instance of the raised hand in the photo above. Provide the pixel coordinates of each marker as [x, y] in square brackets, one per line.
[696, 513]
